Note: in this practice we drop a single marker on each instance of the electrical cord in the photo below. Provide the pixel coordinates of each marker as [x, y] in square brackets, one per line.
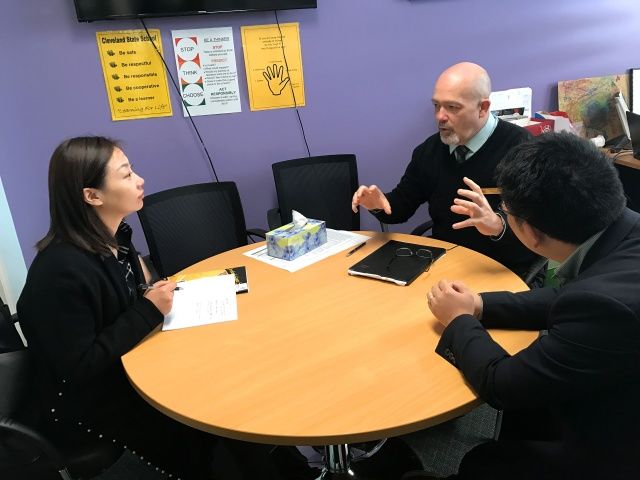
[620, 152]
[186, 107]
[295, 103]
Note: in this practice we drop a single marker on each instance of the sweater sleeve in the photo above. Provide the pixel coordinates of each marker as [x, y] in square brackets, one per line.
[414, 189]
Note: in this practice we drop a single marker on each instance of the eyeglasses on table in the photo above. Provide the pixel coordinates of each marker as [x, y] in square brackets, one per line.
[404, 252]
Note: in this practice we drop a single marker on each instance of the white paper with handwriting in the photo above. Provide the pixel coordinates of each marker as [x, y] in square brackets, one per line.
[203, 301]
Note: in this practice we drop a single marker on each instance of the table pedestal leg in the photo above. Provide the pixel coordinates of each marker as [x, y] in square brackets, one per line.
[337, 463]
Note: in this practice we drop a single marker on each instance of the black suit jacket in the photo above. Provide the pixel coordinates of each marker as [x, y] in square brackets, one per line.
[587, 369]
[79, 319]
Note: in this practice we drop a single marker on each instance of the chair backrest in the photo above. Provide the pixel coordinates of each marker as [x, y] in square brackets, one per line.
[14, 362]
[320, 188]
[10, 340]
[187, 224]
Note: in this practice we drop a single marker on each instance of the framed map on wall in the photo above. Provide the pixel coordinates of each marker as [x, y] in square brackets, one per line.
[591, 102]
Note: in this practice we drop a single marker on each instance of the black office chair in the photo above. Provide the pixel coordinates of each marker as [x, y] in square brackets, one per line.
[422, 228]
[185, 225]
[318, 187]
[25, 454]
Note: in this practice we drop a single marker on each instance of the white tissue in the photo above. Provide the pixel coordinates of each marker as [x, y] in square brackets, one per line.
[299, 220]
[598, 141]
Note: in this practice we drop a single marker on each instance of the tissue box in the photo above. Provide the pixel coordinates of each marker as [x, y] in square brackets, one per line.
[289, 242]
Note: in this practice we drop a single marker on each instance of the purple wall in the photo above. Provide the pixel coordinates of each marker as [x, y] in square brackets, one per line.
[369, 68]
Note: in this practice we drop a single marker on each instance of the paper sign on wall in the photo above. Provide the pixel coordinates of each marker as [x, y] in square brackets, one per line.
[272, 82]
[133, 74]
[206, 64]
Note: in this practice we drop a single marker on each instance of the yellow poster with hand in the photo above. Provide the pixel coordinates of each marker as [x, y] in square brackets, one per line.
[272, 81]
[133, 74]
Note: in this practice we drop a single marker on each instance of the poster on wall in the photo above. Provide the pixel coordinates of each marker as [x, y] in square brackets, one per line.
[272, 82]
[206, 63]
[590, 102]
[133, 74]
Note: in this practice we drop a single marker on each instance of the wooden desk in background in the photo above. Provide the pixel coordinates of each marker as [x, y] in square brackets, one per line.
[629, 170]
[318, 357]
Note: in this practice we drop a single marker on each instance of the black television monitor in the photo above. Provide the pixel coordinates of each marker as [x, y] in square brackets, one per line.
[91, 10]
[633, 120]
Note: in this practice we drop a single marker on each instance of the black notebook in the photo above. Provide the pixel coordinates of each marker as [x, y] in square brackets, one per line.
[397, 262]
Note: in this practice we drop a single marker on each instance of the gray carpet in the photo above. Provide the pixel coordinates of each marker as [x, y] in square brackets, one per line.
[130, 467]
[442, 447]
[439, 448]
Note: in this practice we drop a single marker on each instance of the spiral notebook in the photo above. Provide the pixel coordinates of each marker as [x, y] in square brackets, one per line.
[385, 264]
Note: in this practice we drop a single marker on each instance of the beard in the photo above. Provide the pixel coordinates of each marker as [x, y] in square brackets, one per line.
[450, 138]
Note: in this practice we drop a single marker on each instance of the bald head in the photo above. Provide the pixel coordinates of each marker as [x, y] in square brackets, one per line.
[469, 79]
[461, 102]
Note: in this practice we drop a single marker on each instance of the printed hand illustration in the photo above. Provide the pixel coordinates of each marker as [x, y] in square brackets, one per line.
[273, 76]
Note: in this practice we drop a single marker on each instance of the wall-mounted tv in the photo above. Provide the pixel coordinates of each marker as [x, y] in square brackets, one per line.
[91, 10]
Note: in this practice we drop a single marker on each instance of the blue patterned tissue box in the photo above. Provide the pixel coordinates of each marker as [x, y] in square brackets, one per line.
[289, 242]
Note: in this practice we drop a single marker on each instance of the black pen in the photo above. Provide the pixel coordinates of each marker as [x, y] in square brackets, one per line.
[149, 286]
[354, 250]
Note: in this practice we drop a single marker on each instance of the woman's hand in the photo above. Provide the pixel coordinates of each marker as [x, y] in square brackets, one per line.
[161, 295]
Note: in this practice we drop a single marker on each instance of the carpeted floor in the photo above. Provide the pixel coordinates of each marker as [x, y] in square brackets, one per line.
[439, 449]
[130, 467]
[442, 447]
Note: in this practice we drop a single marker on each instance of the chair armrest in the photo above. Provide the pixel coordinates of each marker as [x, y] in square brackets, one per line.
[153, 271]
[273, 218]
[256, 232]
[9, 425]
[38, 457]
[423, 227]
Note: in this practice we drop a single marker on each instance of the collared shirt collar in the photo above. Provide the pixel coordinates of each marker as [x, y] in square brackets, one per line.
[479, 138]
[569, 269]
[123, 236]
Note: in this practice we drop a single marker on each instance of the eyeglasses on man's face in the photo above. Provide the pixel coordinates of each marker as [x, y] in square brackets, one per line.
[404, 252]
[505, 210]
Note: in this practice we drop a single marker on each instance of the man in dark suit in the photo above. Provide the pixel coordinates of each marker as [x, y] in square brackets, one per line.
[563, 199]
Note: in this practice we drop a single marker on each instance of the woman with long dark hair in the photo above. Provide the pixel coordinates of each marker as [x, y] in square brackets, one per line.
[81, 308]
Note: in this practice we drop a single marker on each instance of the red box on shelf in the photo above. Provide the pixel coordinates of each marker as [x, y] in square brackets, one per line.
[538, 126]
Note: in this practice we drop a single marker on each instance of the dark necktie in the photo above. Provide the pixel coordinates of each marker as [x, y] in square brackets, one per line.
[461, 153]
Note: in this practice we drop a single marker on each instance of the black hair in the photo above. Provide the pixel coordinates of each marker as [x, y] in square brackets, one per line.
[78, 163]
[562, 185]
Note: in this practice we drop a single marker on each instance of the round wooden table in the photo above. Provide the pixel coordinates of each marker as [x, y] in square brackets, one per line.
[318, 357]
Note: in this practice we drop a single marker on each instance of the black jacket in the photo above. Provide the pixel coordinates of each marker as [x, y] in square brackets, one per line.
[587, 369]
[79, 319]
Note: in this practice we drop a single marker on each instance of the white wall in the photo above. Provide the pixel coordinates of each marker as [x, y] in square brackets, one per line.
[13, 270]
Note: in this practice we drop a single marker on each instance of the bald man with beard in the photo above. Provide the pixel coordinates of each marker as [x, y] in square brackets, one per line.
[449, 168]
